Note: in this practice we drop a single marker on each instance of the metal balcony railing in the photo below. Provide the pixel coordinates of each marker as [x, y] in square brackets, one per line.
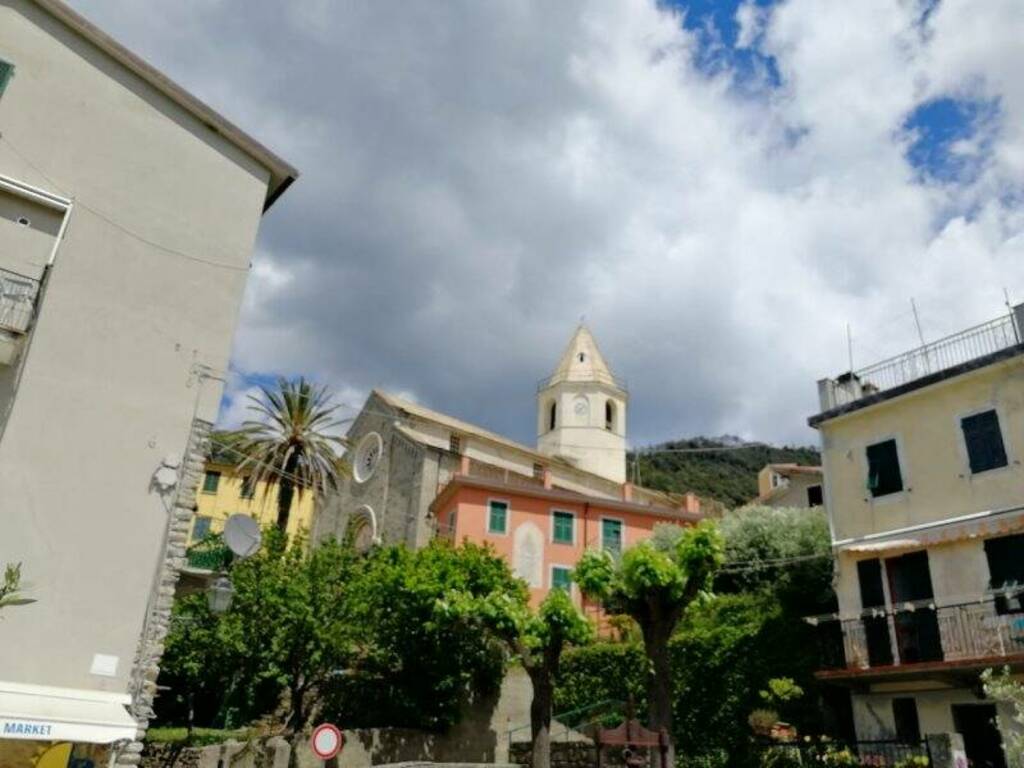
[962, 347]
[18, 295]
[915, 633]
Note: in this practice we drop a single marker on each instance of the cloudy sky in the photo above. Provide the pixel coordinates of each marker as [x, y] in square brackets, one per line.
[719, 187]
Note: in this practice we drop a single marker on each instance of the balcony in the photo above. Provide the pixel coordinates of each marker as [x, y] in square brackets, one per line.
[921, 639]
[931, 360]
[18, 295]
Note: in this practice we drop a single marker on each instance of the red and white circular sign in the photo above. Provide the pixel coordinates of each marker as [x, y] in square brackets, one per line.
[326, 741]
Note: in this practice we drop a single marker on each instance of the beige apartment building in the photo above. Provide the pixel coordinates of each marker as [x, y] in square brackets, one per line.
[789, 485]
[128, 213]
[925, 492]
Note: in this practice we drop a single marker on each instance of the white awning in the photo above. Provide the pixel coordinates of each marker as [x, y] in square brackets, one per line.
[881, 546]
[42, 713]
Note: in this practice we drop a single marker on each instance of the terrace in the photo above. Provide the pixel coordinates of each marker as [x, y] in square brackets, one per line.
[18, 295]
[923, 639]
[949, 356]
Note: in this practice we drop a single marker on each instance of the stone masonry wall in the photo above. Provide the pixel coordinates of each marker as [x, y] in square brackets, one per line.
[158, 620]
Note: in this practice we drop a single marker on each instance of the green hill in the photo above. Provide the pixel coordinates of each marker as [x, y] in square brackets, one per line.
[728, 476]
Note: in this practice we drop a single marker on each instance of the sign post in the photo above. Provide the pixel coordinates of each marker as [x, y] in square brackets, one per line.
[326, 741]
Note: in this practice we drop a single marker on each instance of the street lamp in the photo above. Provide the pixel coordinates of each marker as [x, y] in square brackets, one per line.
[219, 595]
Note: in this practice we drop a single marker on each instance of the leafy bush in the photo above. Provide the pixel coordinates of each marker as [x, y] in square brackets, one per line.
[601, 672]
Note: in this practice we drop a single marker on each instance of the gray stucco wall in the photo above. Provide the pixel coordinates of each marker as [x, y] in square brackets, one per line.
[109, 385]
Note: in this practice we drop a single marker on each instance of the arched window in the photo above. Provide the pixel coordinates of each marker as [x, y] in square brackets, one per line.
[609, 415]
[552, 415]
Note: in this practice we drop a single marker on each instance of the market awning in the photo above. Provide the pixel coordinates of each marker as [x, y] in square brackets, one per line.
[42, 713]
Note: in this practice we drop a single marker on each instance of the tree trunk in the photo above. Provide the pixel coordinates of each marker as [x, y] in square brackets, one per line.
[657, 631]
[540, 715]
[285, 493]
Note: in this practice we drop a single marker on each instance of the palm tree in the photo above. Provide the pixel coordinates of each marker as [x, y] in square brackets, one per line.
[290, 444]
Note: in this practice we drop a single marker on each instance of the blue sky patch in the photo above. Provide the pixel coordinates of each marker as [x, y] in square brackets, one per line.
[950, 138]
[714, 23]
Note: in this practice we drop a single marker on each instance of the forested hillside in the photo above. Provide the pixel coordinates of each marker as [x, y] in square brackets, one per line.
[728, 476]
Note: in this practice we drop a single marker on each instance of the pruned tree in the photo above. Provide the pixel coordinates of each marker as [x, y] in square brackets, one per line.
[540, 639]
[654, 582]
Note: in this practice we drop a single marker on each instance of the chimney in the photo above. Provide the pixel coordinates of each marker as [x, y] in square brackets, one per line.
[463, 464]
[627, 491]
[691, 503]
[547, 479]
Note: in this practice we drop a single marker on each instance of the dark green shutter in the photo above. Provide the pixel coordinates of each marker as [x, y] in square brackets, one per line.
[6, 71]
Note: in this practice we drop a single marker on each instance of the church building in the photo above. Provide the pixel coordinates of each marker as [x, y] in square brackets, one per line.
[419, 474]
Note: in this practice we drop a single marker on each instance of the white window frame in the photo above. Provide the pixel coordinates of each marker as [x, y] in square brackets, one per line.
[622, 523]
[904, 470]
[508, 516]
[965, 456]
[551, 516]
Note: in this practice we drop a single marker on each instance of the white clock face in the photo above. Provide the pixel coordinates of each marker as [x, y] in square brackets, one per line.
[581, 408]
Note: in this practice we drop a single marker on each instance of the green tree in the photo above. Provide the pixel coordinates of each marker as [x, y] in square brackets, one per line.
[10, 589]
[1004, 689]
[785, 551]
[654, 582]
[285, 637]
[541, 638]
[290, 445]
[432, 626]
[288, 623]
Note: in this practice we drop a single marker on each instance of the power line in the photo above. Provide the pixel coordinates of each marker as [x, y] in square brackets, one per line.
[126, 230]
[749, 565]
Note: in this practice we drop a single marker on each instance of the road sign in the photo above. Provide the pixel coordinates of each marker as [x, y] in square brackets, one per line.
[326, 741]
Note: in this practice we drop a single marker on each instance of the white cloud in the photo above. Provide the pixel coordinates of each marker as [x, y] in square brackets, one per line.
[476, 176]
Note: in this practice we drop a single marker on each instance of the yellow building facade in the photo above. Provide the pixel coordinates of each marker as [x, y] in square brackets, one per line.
[224, 491]
[924, 486]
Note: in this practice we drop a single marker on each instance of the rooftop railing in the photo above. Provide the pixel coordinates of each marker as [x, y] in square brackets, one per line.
[18, 295]
[987, 630]
[962, 347]
[609, 379]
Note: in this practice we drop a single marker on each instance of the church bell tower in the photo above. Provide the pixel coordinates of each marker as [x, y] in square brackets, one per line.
[581, 411]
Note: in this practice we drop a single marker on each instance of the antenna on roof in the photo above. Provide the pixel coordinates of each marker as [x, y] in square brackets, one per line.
[920, 333]
[849, 346]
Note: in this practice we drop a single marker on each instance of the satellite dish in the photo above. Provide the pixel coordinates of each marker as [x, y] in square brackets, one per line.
[242, 535]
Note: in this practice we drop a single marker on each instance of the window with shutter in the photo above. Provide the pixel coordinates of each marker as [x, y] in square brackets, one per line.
[884, 476]
[6, 72]
[984, 440]
[561, 578]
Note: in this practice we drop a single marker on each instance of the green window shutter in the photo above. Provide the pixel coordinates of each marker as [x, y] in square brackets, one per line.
[561, 578]
[200, 528]
[497, 518]
[562, 532]
[6, 72]
[984, 439]
[611, 535]
[210, 482]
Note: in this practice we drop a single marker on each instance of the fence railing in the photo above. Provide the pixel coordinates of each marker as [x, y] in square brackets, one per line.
[18, 295]
[876, 754]
[915, 633]
[210, 554]
[940, 355]
[571, 724]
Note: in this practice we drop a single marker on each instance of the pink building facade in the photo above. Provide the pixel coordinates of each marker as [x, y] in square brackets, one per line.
[543, 531]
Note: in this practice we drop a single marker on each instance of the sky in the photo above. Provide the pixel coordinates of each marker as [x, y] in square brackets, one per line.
[719, 188]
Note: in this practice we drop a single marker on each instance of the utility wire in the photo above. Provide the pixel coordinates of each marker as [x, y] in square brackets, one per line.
[126, 230]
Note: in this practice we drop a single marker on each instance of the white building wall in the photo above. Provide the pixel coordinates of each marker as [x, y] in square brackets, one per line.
[108, 386]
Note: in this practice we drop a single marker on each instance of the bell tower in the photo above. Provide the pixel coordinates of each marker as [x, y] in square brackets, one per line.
[581, 411]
